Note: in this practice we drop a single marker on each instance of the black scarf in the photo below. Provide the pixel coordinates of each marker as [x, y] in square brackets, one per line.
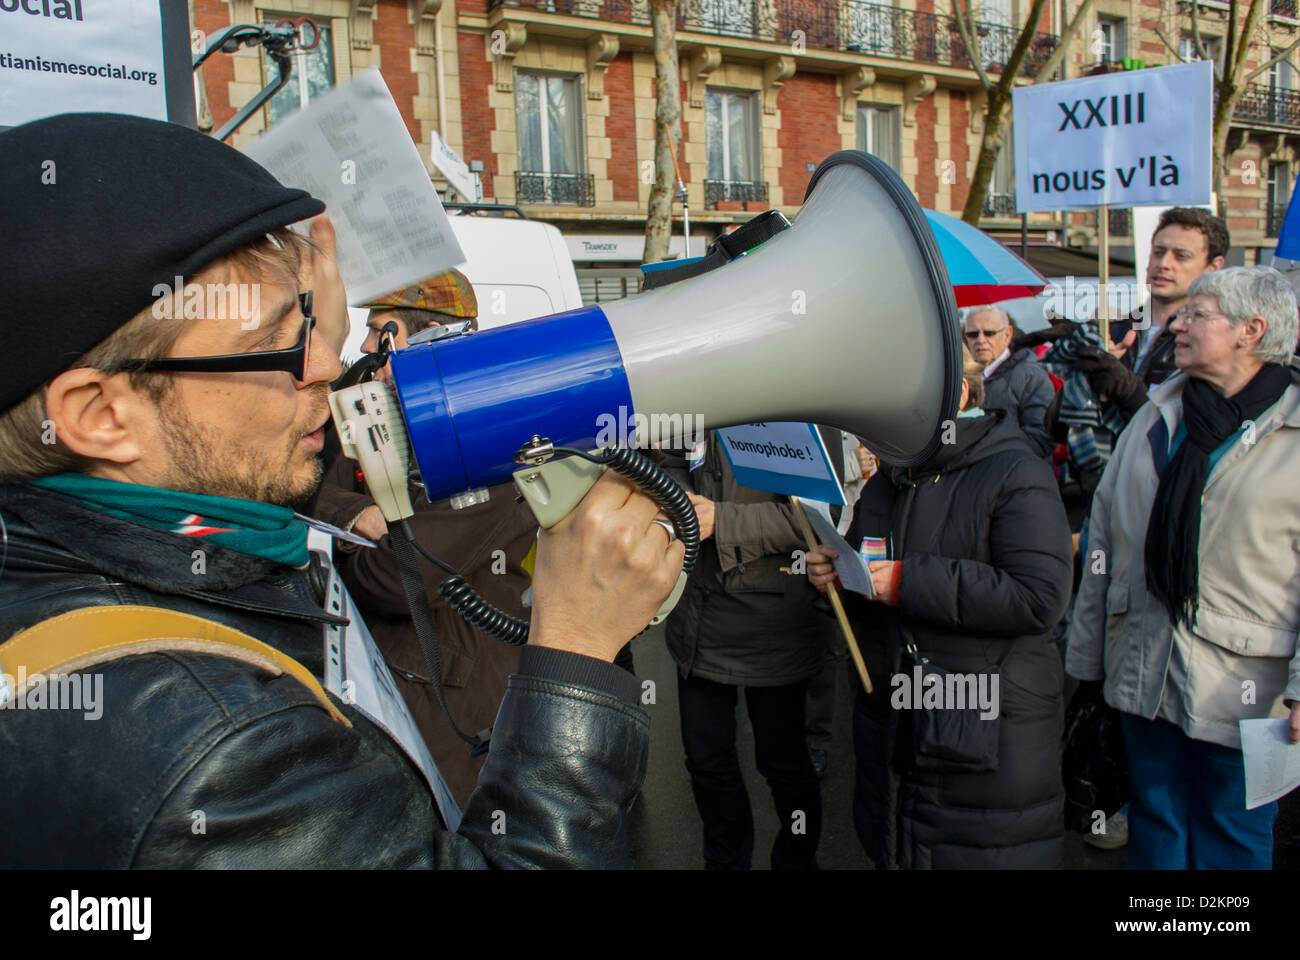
[1174, 529]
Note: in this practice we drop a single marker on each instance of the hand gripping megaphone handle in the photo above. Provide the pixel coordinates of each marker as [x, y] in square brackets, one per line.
[553, 489]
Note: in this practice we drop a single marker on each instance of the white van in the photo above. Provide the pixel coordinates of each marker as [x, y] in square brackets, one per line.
[519, 268]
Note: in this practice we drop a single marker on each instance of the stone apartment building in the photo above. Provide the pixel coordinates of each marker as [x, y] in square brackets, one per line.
[553, 101]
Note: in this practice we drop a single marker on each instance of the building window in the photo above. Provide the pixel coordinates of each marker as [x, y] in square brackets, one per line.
[1001, 199]
[1282, 76]
[998, 39]
[548, 117]
[1279, 196]
[1186, 49]
[879, 133]
[732, 132]
[552, 155]
[1112, 34]
[313, 74]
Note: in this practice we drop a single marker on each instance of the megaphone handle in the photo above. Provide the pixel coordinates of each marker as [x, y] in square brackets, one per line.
[836, 604]
[554, 489]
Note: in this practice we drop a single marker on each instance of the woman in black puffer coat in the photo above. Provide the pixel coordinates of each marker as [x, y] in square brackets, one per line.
[984, 575]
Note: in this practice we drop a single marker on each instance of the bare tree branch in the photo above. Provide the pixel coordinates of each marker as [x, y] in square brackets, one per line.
[1253, 16]
[1172, 49]
[972, 46]
[1054, 61]
[1232, 43]
[1197, 46]
[1283, 57]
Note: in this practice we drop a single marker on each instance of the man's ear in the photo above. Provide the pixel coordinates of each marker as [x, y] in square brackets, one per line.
[96, 415]
[1215, 264]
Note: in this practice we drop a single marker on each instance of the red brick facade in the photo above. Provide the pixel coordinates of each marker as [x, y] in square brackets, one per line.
[620, 127]
[477, 118]
[212, 17]
[396, 39]
[927, 152]
[958, 148]
[809, 134]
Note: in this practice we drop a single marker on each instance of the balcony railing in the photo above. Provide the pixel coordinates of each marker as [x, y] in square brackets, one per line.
[745, 191]
[565, 189]
[1121, 222]
[1275, 215]
[999, 205]
[1261, 103]
[1283, 8]
[847, 25]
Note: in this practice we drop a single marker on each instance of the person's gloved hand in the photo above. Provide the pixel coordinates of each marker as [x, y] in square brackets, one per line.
[1110, 379]
[1057, 331]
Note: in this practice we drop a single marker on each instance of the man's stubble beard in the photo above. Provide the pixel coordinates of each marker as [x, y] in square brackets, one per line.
[204, 462]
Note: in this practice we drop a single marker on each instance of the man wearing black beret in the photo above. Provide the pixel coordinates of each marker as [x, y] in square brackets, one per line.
[152, 442]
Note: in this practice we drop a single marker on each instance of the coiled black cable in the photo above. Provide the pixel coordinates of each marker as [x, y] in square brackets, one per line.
[657, 485]
[477, 612]
[646, 474]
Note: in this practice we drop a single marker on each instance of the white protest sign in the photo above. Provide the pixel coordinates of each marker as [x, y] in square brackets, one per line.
[65, 56]
[850, 566]
[448, 162]
[786, 458]
[1137, 137]
[351, 149]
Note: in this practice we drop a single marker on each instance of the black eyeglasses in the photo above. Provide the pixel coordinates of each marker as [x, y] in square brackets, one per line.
[987, 334]
[294, 360]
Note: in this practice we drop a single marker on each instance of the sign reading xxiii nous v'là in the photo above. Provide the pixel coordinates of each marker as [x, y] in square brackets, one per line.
[1123, 139]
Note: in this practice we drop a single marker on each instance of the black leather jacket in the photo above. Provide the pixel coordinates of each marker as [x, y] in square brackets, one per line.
[279, 783]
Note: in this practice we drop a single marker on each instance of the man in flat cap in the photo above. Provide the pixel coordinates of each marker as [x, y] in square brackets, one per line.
[150, 447]
[489, 542]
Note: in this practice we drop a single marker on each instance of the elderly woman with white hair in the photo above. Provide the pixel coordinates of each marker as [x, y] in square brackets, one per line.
[1190, 601]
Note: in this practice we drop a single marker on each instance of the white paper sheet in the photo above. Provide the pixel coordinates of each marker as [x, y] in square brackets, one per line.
[1272, 763]
[849, 565]
[356, 673]
[351, 149]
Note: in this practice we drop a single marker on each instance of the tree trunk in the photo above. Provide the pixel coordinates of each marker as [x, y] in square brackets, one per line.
[1227, 95]
[990, 145]
[668, 118]
[999, 100]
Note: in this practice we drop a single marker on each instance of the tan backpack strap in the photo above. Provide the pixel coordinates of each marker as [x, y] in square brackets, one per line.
[83, 638]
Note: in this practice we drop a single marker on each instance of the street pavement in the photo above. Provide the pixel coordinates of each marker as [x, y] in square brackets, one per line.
[665, 827]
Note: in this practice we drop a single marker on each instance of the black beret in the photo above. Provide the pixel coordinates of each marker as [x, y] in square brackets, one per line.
[98, 209]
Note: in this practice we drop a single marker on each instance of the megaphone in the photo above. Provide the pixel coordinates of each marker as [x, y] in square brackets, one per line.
[846, 319]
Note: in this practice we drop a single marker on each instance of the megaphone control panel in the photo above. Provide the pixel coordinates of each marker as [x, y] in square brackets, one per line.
[372, 433]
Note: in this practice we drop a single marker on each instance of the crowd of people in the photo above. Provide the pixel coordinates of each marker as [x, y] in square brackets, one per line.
[148, 485]
[1175, 454]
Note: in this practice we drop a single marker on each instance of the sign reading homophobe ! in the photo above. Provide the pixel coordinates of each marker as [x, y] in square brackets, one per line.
[1123, 139]
[787, 458]
[111, 56]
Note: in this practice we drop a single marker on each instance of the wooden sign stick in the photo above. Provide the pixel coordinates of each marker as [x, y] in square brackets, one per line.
[838, 605]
